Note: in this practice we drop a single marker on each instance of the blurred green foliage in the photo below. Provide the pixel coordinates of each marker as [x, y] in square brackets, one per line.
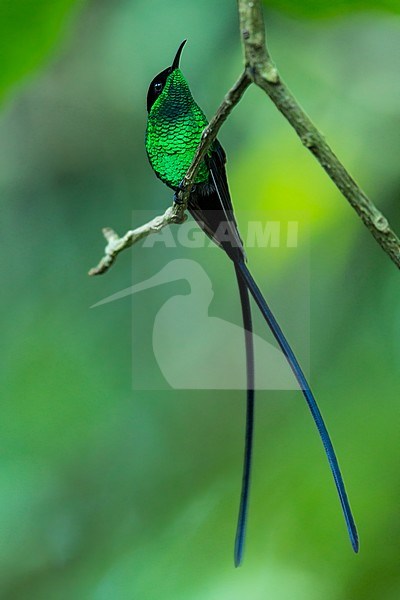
[28, 32]
[109, 492]
[327, 8]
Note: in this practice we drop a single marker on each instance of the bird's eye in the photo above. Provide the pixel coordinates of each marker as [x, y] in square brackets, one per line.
[158, 87]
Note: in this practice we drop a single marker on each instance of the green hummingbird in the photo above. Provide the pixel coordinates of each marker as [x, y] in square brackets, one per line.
[174, 127]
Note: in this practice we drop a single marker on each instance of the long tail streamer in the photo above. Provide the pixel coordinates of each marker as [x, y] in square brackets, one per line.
[248, 446]
[308, 395]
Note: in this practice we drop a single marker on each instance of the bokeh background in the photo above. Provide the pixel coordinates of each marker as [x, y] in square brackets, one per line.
[110, 492]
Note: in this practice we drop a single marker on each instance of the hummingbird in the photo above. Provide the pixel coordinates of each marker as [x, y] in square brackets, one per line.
[174, 127]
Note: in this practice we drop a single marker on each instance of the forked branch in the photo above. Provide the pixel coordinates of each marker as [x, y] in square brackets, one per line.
[260, 70]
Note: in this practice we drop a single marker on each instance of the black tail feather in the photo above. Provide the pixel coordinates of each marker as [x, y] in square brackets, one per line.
[248, 447]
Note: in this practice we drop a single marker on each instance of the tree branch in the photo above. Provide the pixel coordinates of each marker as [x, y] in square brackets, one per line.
[260, 70]
[173, 214]
[265, 75]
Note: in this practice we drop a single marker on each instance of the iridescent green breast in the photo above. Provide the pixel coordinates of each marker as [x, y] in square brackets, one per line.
[174, 128]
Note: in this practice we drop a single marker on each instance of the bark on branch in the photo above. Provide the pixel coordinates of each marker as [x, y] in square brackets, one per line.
[260, 70]
[265, 75]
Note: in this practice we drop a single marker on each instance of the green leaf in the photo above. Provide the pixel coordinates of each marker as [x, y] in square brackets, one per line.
[29, 30]
[327, 8]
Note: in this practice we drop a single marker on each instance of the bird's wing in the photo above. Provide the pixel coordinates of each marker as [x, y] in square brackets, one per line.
[211, 206]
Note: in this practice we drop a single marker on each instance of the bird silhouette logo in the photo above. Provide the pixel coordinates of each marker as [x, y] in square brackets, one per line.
[216, 363]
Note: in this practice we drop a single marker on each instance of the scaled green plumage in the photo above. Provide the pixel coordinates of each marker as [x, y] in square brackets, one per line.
[174, 128]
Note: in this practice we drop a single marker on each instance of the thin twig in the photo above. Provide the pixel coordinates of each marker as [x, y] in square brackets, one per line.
[116, 244]
[266, 76]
